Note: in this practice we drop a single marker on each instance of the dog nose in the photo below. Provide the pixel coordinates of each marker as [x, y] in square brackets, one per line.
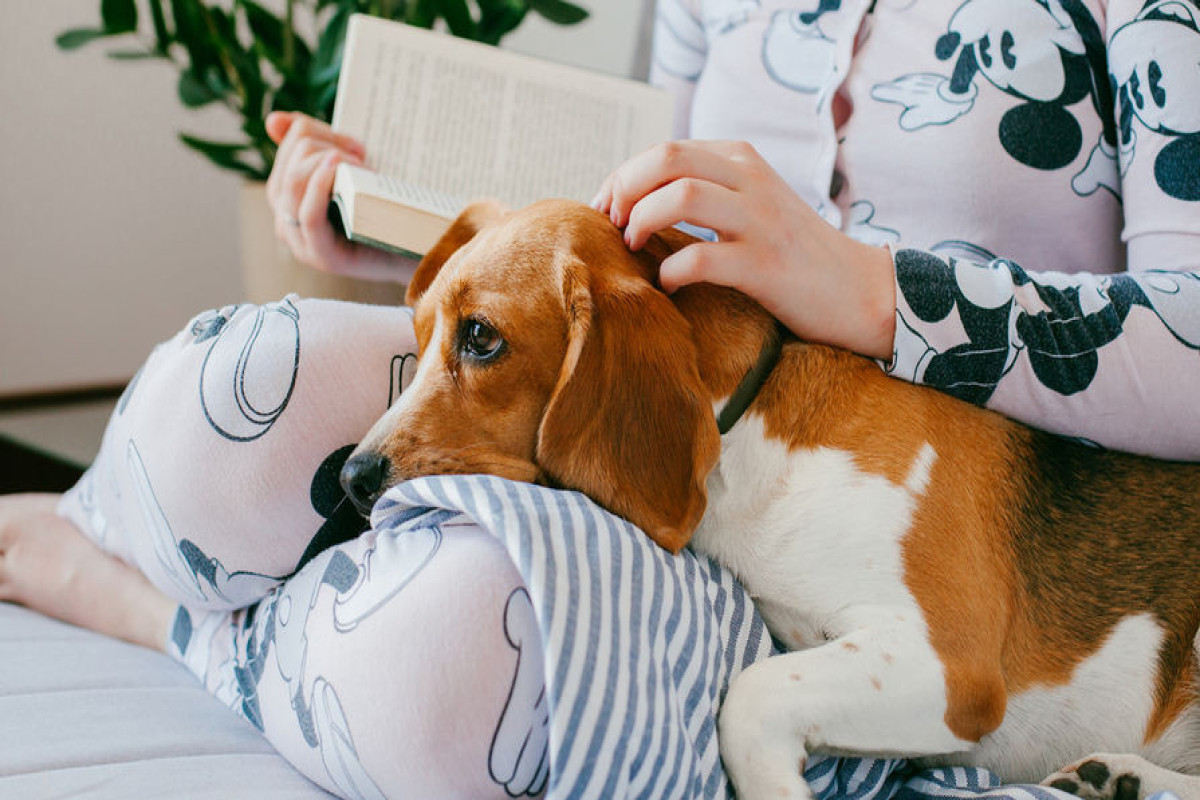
[362, 478]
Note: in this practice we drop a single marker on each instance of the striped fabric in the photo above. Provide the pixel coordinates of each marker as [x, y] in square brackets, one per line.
[640, 648]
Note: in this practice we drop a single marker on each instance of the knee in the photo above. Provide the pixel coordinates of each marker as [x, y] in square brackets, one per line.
[431, 660]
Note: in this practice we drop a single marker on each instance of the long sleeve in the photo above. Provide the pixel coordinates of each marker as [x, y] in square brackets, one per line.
[680, 50]
[1114, 359]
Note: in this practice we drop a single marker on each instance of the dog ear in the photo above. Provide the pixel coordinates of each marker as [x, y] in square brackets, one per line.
[630, 423]
[468, 223]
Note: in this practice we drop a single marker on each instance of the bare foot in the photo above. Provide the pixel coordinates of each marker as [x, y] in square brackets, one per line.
[48, 565]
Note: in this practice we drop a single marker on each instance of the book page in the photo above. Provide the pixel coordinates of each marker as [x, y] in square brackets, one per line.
[401, 192]
[470, 120]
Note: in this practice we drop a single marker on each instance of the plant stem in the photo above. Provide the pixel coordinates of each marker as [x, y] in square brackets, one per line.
[230, 71]
[289, 36]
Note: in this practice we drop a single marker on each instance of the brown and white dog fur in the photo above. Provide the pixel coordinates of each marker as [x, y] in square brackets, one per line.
[953, 585]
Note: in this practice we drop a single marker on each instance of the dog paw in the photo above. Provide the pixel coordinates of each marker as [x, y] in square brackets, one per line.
[1104, 776]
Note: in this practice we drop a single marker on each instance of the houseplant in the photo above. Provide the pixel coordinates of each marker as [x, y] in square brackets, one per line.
[253, 60]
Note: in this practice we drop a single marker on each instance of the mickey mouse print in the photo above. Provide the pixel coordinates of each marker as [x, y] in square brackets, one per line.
[1047, 54]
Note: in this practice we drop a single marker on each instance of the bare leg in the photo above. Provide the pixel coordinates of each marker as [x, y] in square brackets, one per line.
[47, 565]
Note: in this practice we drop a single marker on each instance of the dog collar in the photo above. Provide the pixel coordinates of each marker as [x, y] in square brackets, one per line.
[747, 390]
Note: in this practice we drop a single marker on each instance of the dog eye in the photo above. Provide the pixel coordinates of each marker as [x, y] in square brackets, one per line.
[479, 340]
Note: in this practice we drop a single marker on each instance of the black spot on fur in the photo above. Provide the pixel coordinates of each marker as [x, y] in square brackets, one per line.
[1127, 787]
[1094, 772]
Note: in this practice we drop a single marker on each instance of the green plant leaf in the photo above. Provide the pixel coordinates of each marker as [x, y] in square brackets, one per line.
[559, 11]
[120, 16]
[192, 34]
[269, 33]
[495, 26]
[77, 37]
[132, 55]
[225, 155]
[458, 18]
[422, 13]
[327, 63]
[265, 26]
[194, 92]
[162, 34]
[323, 103]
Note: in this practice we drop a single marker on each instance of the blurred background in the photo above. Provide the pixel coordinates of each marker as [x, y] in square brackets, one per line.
[113, 234]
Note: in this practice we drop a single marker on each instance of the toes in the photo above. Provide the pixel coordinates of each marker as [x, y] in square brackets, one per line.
[1094, 772]
[1094, 779]
[1064, 785]
[1127, 787]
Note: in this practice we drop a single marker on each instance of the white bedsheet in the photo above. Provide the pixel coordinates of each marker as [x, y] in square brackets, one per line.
[85, 716]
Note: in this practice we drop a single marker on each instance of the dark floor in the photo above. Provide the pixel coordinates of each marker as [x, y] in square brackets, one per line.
[24, 469]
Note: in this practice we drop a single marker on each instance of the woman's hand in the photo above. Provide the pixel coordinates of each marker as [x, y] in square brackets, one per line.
[820, 283]
[298, 191]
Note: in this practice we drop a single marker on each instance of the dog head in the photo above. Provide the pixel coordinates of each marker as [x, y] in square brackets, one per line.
[548, 355]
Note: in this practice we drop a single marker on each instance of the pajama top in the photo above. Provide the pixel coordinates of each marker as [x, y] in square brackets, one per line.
[1033, 165]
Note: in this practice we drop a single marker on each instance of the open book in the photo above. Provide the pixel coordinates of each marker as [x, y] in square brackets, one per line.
[447, 120]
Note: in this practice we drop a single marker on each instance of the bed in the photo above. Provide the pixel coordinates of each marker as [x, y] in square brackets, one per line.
[85, 716]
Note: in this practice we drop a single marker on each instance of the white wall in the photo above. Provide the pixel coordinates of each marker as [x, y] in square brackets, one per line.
[112, 234]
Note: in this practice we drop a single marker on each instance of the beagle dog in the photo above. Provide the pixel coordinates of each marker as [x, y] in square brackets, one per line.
[953, 586]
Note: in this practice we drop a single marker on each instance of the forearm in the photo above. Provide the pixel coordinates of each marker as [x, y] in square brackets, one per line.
[1108, 358]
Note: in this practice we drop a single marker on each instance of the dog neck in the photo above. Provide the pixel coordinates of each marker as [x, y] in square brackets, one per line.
[747, 390]
[737, 345]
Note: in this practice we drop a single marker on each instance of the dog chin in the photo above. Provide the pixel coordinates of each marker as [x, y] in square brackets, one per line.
[501, 466]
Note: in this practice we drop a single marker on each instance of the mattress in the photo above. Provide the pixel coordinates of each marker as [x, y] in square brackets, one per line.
[85, 716]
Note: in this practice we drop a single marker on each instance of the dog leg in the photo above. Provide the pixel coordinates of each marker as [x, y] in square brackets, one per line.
[1105, 776]
[875, 691]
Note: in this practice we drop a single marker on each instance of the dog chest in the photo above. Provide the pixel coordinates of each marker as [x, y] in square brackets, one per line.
[807, 531]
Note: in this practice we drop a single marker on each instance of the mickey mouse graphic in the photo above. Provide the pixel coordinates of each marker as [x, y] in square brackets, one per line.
[1155, 66]
[1049, 54]
[1062, 339]
[250, 370]
[799, 54]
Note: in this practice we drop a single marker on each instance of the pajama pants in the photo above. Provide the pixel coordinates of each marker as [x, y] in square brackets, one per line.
[218, 479]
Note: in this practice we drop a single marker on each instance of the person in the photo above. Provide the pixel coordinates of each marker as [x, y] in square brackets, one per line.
[1000, 200]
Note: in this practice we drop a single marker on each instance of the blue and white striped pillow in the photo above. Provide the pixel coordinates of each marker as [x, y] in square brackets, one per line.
[640, 648]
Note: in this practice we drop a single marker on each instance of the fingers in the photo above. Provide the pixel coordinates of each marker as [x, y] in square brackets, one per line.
[722, 163]
[322, 244]
[301, 137]
[294, 126]
[277, 124]
[692, 200]
[722, 263]
[300, 184]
